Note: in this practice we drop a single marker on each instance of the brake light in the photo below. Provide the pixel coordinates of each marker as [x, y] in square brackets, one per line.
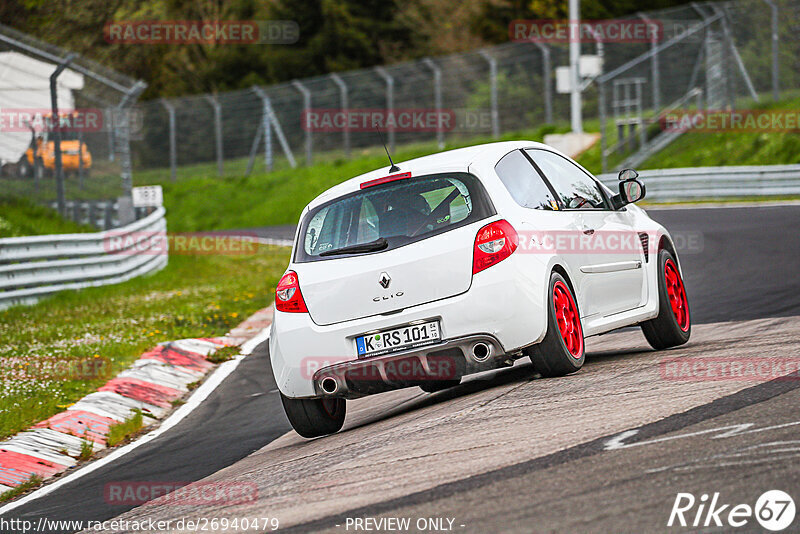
[288, 297]
[495, 242]
[386, 179]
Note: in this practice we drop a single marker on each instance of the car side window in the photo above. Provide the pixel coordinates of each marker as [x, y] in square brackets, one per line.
[575, 188]
[523, 182]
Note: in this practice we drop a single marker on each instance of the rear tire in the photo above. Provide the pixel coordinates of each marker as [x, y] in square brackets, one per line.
[672, 326]
[561, 352]
[312, 418]
[433, 386]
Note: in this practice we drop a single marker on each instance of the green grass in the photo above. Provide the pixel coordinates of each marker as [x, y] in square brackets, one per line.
[119, 432]
[221, 355]
[21, 217]
[34, 482]
[194, 296]
[87, 450]
[697, 149]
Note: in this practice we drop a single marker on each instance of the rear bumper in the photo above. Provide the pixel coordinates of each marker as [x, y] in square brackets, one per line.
[449, 360]
[505, 303]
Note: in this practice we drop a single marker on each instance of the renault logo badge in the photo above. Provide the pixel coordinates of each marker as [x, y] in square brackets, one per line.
[385, 280]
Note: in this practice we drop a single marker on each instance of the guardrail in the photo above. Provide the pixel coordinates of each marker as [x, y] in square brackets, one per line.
[716, 182]
[37, 266]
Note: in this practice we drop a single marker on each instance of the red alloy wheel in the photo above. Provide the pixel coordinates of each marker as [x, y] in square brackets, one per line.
[676, 294]
[569, 323]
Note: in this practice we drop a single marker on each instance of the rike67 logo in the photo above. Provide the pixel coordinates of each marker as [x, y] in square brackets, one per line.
[774, 510]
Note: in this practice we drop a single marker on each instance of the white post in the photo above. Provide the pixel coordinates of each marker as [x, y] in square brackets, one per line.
[576, 116]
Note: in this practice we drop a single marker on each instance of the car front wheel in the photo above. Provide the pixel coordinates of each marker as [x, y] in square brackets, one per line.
[673, 325]
[312, 418]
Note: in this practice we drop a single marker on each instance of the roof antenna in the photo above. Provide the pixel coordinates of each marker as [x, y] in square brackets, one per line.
[394, 167]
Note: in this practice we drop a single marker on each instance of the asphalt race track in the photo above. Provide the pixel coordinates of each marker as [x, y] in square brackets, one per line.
[604, 450]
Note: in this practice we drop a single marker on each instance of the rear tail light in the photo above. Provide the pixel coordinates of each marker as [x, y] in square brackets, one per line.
[494, 243]
[288, 297]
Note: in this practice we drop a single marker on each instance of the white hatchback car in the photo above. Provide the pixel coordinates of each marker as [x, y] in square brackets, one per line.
[462, 262]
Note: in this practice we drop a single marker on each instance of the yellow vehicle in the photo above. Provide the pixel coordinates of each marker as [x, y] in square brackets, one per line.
[41, 156]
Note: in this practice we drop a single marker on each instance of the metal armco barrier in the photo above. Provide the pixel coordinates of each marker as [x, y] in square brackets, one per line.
[37, 266]
[716, 182]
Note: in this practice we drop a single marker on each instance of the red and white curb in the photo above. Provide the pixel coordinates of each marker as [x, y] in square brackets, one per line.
[151, 384]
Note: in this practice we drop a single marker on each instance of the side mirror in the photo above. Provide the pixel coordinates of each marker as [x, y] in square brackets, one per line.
[630, 189]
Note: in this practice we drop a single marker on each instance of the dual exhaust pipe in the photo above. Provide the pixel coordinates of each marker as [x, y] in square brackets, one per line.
[480, 352]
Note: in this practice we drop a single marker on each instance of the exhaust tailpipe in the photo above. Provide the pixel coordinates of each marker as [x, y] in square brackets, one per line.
[481, 352]
[329, 385]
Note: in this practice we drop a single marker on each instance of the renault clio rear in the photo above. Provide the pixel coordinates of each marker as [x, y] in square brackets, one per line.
[413, 277]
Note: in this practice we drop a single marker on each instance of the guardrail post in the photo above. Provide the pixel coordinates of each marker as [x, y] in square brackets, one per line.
[437, 98]
[389, 103]
[306, 109]
[91, 213]
[59, 170]
[344, 106]
[493, 92]
[212, 99]
[107, 214]
[173, 159]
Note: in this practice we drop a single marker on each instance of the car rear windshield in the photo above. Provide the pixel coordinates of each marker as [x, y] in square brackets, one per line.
[391, 215]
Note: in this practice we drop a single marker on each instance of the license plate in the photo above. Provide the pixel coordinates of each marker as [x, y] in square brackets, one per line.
[396, 339]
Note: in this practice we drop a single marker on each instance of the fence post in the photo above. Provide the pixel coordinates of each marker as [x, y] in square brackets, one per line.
[111, 134]
[212, 99]
[389, 103]
[306, 109]
[656, 74]
[80, 159]
[493, 92]
[344, 107]
[437, 98]
[601, 93]
[125, 212]
[273, 121]
[774, 23]
[173, 160]
[548, 89]
[735, 53]
[57, 130]
[264, 128]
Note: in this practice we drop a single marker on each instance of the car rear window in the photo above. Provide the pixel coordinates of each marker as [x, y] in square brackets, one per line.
[401, 212]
